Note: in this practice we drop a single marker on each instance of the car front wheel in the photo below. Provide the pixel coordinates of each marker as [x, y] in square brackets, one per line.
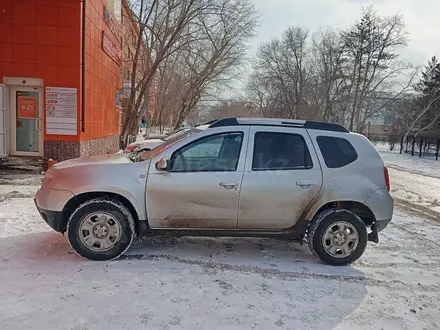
[337, 237]
[100, 229]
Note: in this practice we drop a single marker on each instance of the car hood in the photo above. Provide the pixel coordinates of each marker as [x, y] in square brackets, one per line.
[94, 160]
[96, 172]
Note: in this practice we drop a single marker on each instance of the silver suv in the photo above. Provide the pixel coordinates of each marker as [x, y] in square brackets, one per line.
[240, 177]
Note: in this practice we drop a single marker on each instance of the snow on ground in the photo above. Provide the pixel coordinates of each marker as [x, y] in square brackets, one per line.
[414, 164]
[426, 166]
[415, 189]
[415, 182]
[218, 283]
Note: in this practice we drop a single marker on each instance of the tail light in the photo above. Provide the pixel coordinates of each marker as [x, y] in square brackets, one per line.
[387, 178]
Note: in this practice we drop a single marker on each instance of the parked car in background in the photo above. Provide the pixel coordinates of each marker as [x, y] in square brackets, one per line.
[152, 142]
[149, 142]
[240, 177]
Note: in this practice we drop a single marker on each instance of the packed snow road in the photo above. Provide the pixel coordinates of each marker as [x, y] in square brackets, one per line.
[207, 283]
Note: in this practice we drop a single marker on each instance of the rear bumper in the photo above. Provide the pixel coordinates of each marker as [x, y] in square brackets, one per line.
[381, 204]
[382, 224]
[52, 218]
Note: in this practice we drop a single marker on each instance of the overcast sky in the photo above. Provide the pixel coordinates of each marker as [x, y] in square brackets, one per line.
[421, 17]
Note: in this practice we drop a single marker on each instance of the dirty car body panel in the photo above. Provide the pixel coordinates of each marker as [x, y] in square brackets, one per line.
[196, 198]
[272, 197]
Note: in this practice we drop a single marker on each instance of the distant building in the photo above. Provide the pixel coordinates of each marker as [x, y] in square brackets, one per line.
[376, 115]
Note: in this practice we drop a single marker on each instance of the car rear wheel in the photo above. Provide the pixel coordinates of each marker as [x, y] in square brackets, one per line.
[100, 229]
[337, 237]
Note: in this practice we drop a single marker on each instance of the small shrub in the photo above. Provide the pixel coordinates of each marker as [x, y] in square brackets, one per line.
[392, 141]
[374, 139]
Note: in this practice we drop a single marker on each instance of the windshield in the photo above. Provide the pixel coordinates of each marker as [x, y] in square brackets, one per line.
[169, 141]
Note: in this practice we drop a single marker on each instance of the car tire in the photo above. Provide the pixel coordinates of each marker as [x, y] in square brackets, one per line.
[100, 229]
[337, 237]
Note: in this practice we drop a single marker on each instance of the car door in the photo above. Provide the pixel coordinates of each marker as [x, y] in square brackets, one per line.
[201, 187]
[282, 175]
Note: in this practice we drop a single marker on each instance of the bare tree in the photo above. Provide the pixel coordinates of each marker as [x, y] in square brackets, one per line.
[370, 60]
[283, 63]
[297, 79]
[263, 94]
[220, 50]
[237, 108]
[170, 26]
[336, 73]
[422, 109]
[169, 84]
[326, 82]
[294, 65]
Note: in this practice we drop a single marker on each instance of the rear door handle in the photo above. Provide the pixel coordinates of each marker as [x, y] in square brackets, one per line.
[305, 184]
[228, 185]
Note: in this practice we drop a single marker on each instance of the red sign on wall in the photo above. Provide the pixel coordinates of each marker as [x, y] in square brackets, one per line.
[112, 50]
[27, 107]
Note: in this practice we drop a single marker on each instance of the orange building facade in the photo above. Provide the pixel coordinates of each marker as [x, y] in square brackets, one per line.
[60, 76]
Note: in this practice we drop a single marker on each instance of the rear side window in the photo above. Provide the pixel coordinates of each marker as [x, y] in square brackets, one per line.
[337, 152]
[280, 151]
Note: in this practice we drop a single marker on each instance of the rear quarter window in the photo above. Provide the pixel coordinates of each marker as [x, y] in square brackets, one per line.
[275, 151]
[337, 152]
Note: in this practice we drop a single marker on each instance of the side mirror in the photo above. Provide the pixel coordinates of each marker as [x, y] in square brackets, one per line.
[162, 165]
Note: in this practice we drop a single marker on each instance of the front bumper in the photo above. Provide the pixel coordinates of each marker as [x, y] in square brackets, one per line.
[52, 218]
[50, 204]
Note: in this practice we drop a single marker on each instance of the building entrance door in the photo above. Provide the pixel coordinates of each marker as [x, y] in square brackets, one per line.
[3, 123]
[26, 121]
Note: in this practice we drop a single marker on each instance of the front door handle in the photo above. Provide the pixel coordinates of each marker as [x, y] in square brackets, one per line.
[228, 185]
[305, 184]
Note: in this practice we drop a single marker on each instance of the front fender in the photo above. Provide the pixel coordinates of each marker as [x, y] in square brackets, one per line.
[138, 204]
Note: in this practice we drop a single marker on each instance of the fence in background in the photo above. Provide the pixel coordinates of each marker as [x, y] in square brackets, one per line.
[422, 146]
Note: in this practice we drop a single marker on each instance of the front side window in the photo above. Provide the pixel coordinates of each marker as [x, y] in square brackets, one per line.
[214, 153]
[280, 151]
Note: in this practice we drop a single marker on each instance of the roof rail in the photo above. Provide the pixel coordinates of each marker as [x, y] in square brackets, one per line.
[208, 122]
[307, 124]
[321, 125]
[225, 122]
